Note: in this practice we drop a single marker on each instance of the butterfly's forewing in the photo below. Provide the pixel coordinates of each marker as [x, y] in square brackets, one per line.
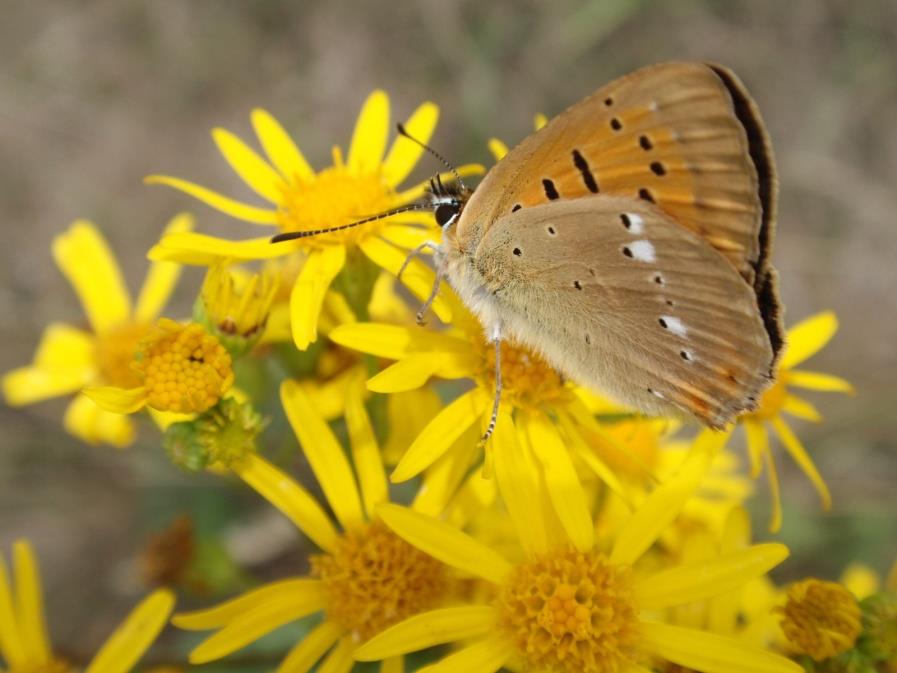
[685, 136]
[621, 297]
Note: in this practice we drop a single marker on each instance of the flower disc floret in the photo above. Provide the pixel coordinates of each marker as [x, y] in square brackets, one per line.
[184, 369]
[570, 612]
[375, 579]
[528, 381]
[820, 619]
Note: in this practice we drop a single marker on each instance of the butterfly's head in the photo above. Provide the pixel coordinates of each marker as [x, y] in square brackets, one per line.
[447, 200]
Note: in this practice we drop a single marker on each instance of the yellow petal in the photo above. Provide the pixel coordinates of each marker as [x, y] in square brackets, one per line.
[476, 495]
[12, 645]
[801, 409]
[483, 656]
[408, 414]
[667, 500]
[577, 443]
[280, 148]
[802, 458]
[308, 592]
[775, 518]
[187, 247]
[30, 605]
[340, 658]
[427, 629]
[439, 435]
[117, 400]
[161, 278]
[539, 121]
[307, 296]
[33, 384]
[290, 498]
[818, 381]
[808, 337]
[227, 205]
[122, 650]
[860, 580]
[417, 277]
[698, 581]
[365, 450]
[518, 480]
[370, 135]
[441, 480]
[563, 485]
[711, 653]
[311, 648]
[404, 153]
[255, 171]
[408, 237]
[324, 454]
[251, 625]
[414, 371]
[84, 257]
[446, 543]
[498, 149]
[757, 444]
[85, 420]
[395, 341]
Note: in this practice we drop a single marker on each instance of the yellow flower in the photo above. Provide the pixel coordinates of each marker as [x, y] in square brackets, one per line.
[569, 610]
[25, 645]
[365, 579]
[69, 358]
[804, 340]
[178, 368]
[365, 183]
[551, 420]
[820, 619]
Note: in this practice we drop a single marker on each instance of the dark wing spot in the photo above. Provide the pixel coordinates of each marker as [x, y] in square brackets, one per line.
[592, 271]
[517, 252]
[627, 251]
[685, 355]
[658, 279]
[669, 302]
[588, 179]
[588, 339]
[616, 124]
[550, 190]
[646, 194]
[626, 221]
[658, 168]
[551, 231]
[663, 323]
[645, 143]
[608, 101]
[577, 284]
[516, 207]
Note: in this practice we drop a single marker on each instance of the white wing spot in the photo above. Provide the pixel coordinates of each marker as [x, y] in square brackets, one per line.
[675, 325]
[653, 106]
[643, 251]
[636, 223]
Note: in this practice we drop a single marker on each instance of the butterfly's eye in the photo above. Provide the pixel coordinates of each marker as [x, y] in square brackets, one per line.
[446, 212]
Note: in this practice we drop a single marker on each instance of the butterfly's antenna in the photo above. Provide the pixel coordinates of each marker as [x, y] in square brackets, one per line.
[291, 235]
[403, 132]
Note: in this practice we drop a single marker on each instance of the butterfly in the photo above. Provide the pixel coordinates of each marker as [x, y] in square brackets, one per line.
[628, 241]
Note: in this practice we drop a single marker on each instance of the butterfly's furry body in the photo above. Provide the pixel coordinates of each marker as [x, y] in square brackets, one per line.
[628, 242]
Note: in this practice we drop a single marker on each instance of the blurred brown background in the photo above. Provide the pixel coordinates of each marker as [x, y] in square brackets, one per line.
[96, 95]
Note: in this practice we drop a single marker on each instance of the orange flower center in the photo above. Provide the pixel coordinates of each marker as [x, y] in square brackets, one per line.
[570, 612]
[115, 351]
[375, 579]
[332, 198]
[527, 380]
[183, 368]
[820, 619]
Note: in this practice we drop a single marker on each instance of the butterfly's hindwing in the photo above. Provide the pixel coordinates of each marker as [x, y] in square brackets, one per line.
[620, 297]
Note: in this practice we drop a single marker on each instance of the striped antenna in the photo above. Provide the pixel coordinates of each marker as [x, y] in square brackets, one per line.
[292, 235]
[403, 132]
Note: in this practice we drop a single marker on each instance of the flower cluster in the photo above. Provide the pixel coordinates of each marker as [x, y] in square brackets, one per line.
[582, 537]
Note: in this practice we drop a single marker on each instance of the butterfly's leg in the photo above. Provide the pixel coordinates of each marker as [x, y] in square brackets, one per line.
[422, 312]
[416, 252]
[495, 337]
